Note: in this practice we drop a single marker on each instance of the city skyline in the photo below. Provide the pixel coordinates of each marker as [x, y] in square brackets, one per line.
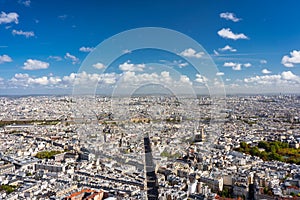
[43, 45]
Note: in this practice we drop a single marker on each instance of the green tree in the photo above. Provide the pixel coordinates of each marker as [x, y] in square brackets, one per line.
[275, 156]
[243, 145]
[273, 149]
[47, 154]
[265, 145]
[8, 188]
[264, 155]
[254, 151]
[226, 193]
[292, 194]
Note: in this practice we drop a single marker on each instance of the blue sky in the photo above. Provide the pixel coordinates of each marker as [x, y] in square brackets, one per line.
[254, 44]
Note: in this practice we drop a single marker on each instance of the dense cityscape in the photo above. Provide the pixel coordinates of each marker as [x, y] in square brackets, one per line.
[149, 100]
[149, 147]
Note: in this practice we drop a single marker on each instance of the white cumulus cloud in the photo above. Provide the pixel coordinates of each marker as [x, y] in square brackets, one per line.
[86, 49]
[180, 65]
[131, 78]
[286, 78]
[288, 75]
[127, 66]
[165, 77]
[266, 71]
[9, 18]
[99, 65]
[5, 58]
[247, 65]
[32, 64]
[185, 79]
[229, 16]
[27, 34]
[71, 57]
[191, 53]
[264, 80]
[201, 79]
[234, 66]
[228, 48]
[25, 80]
[83, 79]
[39, 81]
[227, 33]
[55, 80]
[19, 80]
[21, 76]
[237, 67]
[220, 74]
[294, 58]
